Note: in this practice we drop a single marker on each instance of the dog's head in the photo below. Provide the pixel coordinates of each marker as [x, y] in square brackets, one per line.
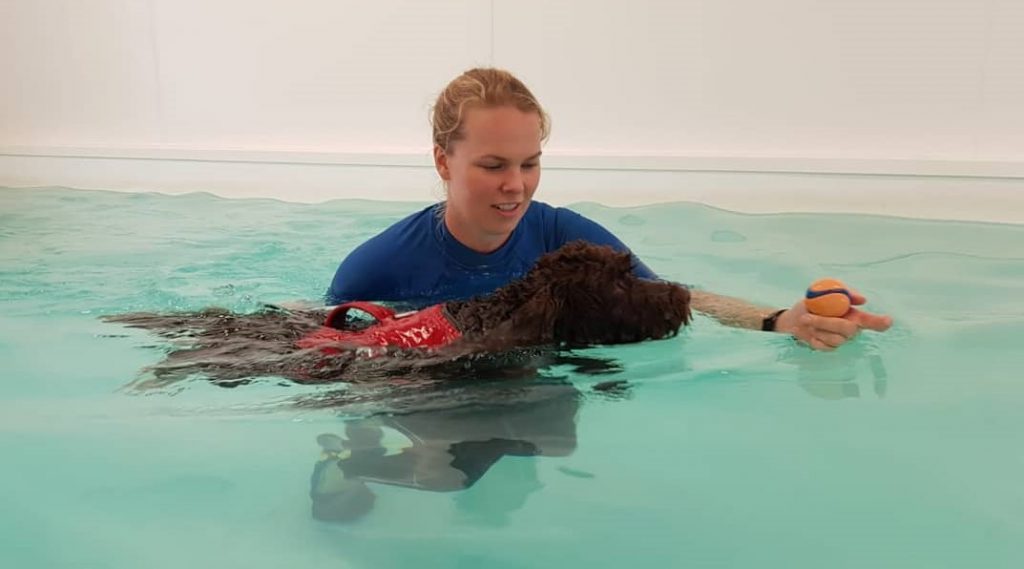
[586, 294]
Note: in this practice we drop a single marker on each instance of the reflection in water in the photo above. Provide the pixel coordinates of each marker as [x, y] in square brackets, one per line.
[446, 449]
[841, 374]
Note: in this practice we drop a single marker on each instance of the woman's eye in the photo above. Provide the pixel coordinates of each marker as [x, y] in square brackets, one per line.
[496, 167]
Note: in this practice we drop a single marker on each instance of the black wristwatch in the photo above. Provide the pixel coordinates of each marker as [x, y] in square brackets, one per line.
[768, 324]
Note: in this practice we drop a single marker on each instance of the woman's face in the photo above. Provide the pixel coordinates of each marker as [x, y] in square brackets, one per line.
[490, 174]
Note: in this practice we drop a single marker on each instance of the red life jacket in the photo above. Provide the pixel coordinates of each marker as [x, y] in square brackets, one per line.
[427, 328]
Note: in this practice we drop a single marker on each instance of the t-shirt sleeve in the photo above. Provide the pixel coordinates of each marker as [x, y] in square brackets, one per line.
[361, 276]
[571, 226]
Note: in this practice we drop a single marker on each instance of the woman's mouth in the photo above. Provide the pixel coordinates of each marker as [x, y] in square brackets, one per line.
[507, 209]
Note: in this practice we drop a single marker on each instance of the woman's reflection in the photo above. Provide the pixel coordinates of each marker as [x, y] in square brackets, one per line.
[444, 450]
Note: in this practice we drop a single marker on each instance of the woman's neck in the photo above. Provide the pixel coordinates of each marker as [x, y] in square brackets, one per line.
[477, 241]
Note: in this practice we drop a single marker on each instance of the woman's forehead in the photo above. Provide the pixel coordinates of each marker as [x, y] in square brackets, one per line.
[502, 131]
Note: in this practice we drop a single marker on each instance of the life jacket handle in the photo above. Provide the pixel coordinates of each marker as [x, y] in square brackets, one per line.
[336, 317]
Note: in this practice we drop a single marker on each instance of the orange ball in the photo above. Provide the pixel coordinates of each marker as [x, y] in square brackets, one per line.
[827, 297]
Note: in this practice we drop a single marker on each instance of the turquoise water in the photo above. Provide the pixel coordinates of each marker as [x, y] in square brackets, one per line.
[726, 448]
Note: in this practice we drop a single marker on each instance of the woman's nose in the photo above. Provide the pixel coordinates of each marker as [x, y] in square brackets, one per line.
[513, 181]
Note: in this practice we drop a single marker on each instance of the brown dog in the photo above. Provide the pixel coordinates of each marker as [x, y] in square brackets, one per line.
[579, 295]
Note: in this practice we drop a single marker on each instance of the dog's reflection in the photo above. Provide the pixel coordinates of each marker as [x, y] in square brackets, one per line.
[444, 450]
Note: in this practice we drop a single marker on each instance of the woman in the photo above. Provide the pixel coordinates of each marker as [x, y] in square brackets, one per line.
[488, 130]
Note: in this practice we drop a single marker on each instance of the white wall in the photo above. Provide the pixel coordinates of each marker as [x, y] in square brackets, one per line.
[651, 100]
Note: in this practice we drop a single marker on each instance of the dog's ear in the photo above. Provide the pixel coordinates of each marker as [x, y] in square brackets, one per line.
[535, 320]
[617, 265]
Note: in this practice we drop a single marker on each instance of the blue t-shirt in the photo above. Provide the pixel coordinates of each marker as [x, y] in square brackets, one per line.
[417, 262]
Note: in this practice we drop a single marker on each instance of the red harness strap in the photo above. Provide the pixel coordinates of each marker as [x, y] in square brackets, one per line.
[427, 328]
[336, 317]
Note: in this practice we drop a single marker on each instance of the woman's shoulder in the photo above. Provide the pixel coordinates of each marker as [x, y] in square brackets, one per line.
[552, 217]
[542, 210]
[376, 268]
[408, 236]
[561, 220]
[402, 234]
[422, 220]
[550, 213]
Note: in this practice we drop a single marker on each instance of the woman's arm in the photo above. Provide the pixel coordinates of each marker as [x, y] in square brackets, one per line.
[818, 332]
[730, 311]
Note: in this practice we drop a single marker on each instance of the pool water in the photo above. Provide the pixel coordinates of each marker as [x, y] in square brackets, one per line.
[719, 447]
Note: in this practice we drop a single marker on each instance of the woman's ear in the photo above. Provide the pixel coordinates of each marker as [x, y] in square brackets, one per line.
[441, 163]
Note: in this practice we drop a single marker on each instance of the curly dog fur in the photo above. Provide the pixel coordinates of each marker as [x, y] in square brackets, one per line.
[579, 295]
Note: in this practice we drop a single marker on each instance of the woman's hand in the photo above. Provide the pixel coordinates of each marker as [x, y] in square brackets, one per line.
[828, 333]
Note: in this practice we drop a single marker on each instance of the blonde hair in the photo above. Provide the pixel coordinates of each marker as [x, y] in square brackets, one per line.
[481, 87]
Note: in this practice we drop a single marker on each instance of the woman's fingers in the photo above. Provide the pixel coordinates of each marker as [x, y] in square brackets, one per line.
[868, 320]
[820, 325]
[819, 345]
